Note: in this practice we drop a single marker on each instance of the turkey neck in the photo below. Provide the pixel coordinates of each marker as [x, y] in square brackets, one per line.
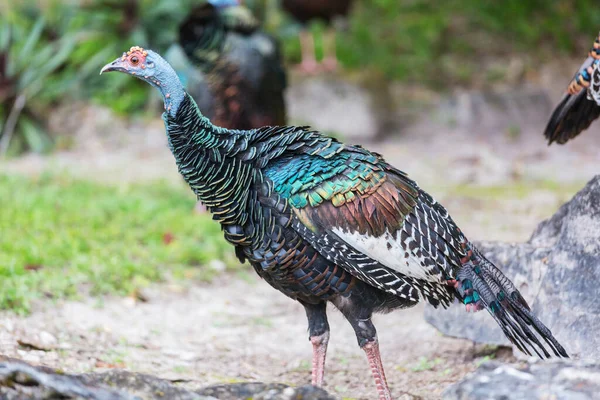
[204, 154]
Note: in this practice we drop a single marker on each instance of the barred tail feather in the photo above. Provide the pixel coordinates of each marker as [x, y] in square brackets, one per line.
[482, 284]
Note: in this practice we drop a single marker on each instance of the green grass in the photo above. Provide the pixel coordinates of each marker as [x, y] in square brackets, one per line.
[61, 237]
[426, 364]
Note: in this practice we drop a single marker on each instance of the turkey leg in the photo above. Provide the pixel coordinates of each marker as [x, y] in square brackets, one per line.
[319, 353]
[374, 357]
[307, 47]
[318, 328]
[367, 340]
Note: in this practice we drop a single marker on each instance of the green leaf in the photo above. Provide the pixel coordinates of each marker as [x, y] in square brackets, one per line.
[34, 35]
[65, 47]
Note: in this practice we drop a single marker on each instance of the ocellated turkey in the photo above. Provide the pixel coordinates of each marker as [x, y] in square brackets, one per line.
[580, 106]
[326, 222]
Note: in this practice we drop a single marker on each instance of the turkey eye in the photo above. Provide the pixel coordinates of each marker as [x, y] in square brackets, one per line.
[135, 60]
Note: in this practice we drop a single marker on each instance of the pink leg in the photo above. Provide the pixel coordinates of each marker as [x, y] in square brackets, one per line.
[374, 357]
[319, 353]
[307, 46]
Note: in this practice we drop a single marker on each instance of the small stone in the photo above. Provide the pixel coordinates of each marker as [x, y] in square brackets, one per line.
[48, 339]
[42, 341]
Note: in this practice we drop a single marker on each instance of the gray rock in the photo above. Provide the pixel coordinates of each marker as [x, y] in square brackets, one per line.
[497, 111]
[558, 273]
[139, 386]
[356, 111]
[19, 380]
[262, 391]
[543, 381]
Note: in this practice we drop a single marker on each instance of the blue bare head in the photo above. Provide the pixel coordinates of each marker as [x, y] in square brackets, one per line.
[152, 68]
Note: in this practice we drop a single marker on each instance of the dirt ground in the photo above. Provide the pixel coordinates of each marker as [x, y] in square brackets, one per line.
[238, 328]
[234, 330]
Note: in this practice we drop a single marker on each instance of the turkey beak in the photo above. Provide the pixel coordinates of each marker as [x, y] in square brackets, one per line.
[116, 65]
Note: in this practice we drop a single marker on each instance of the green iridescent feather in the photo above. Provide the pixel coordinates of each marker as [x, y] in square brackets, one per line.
[310, 180]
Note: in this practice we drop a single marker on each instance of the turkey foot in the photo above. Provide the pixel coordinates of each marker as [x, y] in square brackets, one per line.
[374, 357]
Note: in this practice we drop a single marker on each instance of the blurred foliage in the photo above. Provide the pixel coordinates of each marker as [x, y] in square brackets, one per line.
[55, 48]
[52, 50]
[444, 43]
[113, 26]
[34, 48]
[60, 236]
